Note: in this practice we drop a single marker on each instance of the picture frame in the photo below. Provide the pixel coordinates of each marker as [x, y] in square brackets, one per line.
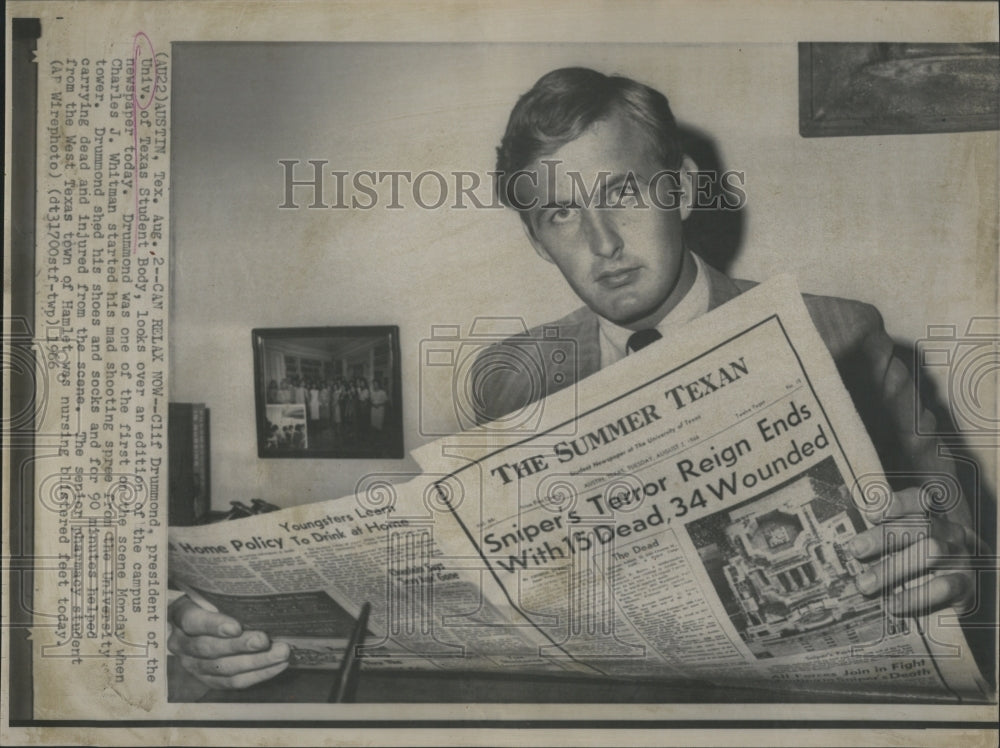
[328, 392]
[869, 88]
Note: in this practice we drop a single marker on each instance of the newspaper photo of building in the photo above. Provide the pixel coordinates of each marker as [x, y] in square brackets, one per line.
[779, 564]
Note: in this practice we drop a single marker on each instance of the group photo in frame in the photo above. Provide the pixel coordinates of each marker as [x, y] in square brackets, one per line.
[328, 392]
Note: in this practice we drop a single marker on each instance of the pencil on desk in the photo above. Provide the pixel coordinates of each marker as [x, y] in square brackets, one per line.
[347, 679]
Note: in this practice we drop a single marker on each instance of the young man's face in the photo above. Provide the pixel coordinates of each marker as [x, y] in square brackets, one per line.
[624, 257]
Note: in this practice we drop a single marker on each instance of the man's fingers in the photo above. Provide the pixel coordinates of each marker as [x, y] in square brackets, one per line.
[906, 503]
[974, 542]
[894, 536]
[910, 562]
[237, 664]
[196, 621]
[243, 680]
[208, 647]
[884, 539]
[946, 590]
[912, 538]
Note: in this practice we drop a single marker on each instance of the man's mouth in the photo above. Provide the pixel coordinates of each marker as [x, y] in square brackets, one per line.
[617, 278]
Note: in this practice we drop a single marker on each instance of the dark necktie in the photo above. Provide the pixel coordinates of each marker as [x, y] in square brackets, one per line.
[639, 340]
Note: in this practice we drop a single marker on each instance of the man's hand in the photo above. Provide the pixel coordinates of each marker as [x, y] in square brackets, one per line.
[909, 542]
[214, 648]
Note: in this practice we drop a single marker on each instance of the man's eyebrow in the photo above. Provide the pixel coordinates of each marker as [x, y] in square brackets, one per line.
[555, 203]
[606, 182]
[618, 180]
[635, 175]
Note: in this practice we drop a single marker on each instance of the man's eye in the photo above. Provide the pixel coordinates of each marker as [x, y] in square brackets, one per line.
[562, 215]
[623, 198]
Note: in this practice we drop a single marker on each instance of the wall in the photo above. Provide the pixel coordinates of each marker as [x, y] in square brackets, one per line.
[906, 222]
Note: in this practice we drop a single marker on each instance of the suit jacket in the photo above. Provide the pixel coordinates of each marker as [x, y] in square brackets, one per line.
[879, 383]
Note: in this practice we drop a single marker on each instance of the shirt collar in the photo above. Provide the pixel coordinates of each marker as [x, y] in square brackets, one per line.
[614, 338]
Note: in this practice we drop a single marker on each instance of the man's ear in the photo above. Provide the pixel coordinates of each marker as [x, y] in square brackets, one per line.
[539, 247]
[688, 169]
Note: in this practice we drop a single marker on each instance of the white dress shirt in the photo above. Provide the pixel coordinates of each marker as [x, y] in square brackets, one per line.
[614, 338]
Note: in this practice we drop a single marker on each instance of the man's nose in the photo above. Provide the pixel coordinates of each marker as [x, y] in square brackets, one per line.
[605, 240]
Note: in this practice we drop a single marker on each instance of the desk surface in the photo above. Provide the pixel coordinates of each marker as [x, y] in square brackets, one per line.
[312, 686]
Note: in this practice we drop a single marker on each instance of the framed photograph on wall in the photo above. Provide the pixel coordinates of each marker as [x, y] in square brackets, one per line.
[867, 88]
[331, 392]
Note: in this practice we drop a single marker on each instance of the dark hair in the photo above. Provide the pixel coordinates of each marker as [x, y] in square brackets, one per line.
[564, 103]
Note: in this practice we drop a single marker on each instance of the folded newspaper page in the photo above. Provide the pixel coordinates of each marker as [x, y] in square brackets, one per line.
[302, 574]
[682, 515]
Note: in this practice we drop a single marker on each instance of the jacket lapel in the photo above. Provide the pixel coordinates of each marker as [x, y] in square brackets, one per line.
[578, 341]
[582, 327]
[722, 288]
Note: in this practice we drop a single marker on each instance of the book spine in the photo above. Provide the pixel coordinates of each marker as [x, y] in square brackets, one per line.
[180, 469]
[199, 503]
[207, 469]
[190, 492]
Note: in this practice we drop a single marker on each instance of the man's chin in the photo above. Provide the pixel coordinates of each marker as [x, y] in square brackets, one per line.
[634, 309]
[635, 317]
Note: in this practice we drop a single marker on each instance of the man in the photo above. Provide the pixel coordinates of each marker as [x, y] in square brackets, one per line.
[621, 248]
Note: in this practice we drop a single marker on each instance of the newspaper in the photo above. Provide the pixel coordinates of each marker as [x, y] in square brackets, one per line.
[686, 516]
[149, 149]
